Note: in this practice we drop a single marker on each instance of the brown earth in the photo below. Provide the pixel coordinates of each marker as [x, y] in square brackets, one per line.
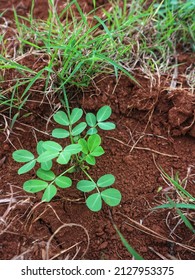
[155, 128]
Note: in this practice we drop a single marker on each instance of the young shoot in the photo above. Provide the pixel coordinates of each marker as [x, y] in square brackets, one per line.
[81, 152]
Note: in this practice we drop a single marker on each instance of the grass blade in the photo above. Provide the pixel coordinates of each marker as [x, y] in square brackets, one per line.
[127, 245]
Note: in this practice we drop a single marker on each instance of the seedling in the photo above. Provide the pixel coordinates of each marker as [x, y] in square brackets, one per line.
[79, 154]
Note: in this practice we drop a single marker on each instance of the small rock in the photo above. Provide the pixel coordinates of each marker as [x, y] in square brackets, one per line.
[103, 246]
[100, 233]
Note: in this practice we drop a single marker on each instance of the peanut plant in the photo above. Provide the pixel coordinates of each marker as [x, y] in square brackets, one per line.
[79, 154]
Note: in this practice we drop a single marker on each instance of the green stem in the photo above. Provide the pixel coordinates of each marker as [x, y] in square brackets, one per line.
[67, 170]
[90, 179]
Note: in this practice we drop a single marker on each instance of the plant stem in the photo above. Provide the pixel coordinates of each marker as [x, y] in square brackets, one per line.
[90, 179]
[67, 170]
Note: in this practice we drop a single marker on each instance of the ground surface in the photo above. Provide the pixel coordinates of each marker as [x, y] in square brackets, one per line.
[155, 127]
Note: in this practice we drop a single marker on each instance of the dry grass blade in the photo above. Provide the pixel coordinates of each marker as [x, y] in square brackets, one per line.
[141, 148]
[146, 230]
[157, 253]
[65, 250]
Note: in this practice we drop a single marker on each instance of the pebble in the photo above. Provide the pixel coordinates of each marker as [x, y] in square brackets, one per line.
[100, 233]
[103, 246]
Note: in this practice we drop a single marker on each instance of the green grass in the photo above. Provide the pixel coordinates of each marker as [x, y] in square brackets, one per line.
[126, 244]
[77, 48]
[182, 201]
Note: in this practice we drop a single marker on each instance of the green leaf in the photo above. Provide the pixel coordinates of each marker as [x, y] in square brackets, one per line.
[46, 165]
[63, 182]
[22, 156]
[76, 139]
[106, 180]
[40, 148]
[61, 118]
[76, 115]
[27, 167]
[79, 128]
[60, 133]
[63, 158]
[90, 160]
[93, 142]
[104, 113]
[91, 119]
[176, 205]
[49, 193]
[84, 146]
[92, 131]
[52, 146]
[178, 186]
[47, 155]
[94, 202]
[34, 185]
[130, 249]
[86, 186]
[73, 149]
[111, 196]
[98, 151]
[185, 220]
[106, 125]
[45, 175]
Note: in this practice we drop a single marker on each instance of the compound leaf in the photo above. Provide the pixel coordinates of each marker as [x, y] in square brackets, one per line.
[45, 175]
[63, 182]
[91, 119]
[86, 186]
[22, 156]
[52, 146]
[34, 185]
[76, 115]
[49, 193]
[106, 125]
[94, 202]
[60, 133]
[111, 196]
[106, 180]
[27, 167]
[61, 118]
[104, 113]
[79, 129]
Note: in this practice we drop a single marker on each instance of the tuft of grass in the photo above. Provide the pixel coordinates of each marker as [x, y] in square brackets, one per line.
[183, 203]
[74, 47]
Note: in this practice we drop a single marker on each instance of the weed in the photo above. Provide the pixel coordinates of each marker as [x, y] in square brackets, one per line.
[129, 248]
[184, 201]
[76, 48]
[81, 152]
